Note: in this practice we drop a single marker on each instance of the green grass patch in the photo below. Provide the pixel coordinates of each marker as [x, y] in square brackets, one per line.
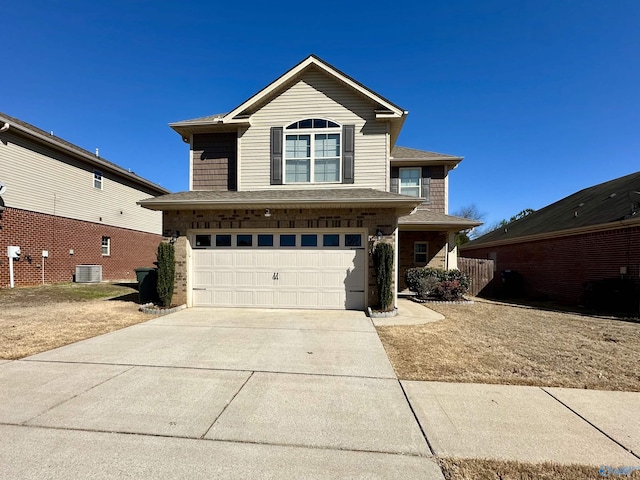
[64, 292]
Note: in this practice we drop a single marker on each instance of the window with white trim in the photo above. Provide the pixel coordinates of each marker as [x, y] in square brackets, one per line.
[410, 181]
[312, 152]
[106, 246]
[420, 253]
[97, 179]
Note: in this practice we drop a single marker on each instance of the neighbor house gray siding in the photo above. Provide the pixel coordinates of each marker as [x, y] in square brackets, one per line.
[44, 180]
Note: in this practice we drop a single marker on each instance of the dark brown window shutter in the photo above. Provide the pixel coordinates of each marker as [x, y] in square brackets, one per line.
[348, 149]
[426, 185]
[395, 179]
[276, 155]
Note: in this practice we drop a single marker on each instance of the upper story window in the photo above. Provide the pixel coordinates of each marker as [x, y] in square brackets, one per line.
[312, 151]
[97, 179]
[410, 181]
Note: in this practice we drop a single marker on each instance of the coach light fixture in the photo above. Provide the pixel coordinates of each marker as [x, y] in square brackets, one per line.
[267, 212]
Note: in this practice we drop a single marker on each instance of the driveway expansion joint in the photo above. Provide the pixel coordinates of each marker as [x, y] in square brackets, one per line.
[415, 417]
[227, 405]
[544, 389]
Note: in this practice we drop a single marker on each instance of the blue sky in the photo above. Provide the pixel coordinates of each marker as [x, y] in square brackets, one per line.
[540, 97]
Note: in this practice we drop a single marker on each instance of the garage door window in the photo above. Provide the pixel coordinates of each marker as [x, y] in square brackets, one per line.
[244, 241]
[330, 240]
[287, 240]
[309, 240]
[203, 240]
[223, 240]
[265, 240]
[352, 240]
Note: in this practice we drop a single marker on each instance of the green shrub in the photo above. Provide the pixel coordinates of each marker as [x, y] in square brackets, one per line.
[461, 278]
[383, 262]
[429, 282]
[166, 273]
[414, 276]
[449, 290]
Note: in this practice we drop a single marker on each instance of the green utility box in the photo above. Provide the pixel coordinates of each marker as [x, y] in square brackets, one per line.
[147, 284]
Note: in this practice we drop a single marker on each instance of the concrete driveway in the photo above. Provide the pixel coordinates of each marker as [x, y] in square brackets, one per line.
[228, 393]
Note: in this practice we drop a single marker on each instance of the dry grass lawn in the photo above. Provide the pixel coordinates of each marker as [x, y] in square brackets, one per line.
[479, 469]
[36, 319]
[492, 342]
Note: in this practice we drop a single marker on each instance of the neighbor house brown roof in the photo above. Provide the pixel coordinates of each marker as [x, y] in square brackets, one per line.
[611, 204]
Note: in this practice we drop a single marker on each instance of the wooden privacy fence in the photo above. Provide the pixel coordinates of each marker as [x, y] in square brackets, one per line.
[479, 270]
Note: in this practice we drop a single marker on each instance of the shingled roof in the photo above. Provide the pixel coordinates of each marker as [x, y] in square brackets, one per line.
[423, 219]
[608, 205]
[408, 155]
[284, 198]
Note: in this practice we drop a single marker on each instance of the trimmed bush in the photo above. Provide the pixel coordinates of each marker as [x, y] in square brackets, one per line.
[438, 284]
[166, 273]
[383, 263]
[414, 276]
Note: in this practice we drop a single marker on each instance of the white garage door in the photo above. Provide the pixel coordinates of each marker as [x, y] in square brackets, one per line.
[296, 276]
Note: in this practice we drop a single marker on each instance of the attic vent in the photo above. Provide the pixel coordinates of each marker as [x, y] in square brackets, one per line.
[88, 273]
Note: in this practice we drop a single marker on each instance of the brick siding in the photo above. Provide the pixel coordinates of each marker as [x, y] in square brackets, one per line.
[436, 255]
[35, 232]
[557, 268]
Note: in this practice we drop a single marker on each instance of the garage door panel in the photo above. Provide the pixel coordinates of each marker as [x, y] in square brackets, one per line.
[221, 278]
[306, 278]
[265, 298]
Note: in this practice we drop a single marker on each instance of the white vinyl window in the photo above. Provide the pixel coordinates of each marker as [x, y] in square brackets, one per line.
[420, 253]
[97, 179]
[312, 152]
[410, 181]
[106, 246]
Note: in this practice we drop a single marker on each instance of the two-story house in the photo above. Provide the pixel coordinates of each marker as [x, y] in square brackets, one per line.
[290, 191]
[65, 206]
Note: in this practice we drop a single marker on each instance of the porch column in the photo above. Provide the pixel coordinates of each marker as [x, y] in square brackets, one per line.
[452, 251]
[396, 265]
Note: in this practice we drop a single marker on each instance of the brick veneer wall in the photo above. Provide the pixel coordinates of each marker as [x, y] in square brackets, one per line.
[183, 221]
[34, 232]
[557, 268]
[436, 256]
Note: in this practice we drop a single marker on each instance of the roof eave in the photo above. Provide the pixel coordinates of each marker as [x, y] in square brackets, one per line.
[399, 204]
[425, 226]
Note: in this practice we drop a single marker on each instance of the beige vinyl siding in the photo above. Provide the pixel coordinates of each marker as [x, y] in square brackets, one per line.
[43, 180]
[316, 95]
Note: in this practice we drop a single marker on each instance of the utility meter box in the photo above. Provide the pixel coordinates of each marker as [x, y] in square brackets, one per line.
[13, 252]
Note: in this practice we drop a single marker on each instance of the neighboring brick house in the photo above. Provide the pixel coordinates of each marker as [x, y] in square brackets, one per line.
[68, 202]
[290, 191]
[591, 235]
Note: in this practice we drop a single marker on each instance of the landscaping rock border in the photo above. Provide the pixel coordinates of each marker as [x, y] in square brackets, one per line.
[151, 309]
[375, 314]
[466, 301]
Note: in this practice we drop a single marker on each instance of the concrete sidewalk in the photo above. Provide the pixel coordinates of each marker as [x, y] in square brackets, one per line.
[231, 393]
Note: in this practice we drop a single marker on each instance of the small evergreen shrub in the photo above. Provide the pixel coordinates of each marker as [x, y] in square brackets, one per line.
[166, 273]
[383, 263]
[414, 276]
[438, 284]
